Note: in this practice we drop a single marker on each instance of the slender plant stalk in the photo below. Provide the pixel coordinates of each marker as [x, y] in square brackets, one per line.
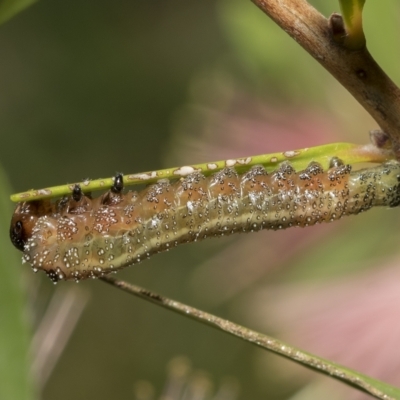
[352, 16]
[349, 153]
[378, 389]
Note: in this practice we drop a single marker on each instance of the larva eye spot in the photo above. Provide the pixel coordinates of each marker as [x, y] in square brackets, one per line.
[24, 219]
[17, 235]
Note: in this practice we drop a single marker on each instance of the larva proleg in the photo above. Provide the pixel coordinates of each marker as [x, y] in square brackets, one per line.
[79, 237]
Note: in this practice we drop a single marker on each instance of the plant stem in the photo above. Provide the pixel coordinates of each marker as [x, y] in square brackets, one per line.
[349, 153]
[356, 70]
[352, 16]
[350, 377]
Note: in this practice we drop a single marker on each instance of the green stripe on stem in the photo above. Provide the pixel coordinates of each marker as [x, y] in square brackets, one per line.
[347, 152]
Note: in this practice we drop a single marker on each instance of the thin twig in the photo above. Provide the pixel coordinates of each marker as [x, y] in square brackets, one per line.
[356, 70]
[349, 153]
[308, 360]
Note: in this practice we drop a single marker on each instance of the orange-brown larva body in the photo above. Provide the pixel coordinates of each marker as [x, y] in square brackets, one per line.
[79, 237]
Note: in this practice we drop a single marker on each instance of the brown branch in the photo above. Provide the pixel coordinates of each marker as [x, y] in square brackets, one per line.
[356, 70]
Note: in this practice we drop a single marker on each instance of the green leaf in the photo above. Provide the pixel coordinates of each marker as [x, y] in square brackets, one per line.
[16, 382]
[9, 8]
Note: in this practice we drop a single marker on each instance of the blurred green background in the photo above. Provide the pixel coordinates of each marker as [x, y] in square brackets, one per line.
[89, 88]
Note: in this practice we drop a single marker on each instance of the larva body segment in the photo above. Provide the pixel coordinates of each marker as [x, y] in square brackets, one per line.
[79, 237]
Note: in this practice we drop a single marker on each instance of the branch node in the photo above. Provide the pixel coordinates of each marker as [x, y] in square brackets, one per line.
[380, 139]
[338, 30]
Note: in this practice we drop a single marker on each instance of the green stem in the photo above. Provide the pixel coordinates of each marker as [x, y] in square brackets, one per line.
[352, 16]
[347, 152]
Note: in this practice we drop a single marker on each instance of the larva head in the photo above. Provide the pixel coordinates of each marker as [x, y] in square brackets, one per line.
[24, 219]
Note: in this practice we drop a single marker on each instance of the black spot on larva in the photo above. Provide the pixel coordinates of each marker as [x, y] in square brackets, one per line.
[118, 185]
[114, 196]
[52, 274]
[335, 162]
[77, 193]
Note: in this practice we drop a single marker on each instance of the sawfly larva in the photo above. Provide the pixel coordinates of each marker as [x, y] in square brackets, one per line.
[78, 237]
